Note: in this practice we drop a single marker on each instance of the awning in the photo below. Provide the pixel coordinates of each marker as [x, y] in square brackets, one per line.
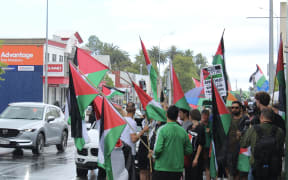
[57, 80]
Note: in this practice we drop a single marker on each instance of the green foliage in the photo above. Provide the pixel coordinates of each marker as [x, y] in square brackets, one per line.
[154, 55]
[185, 69]
[117, 56]
[109, 81]
[200, 61]
[2, 65]
[185, 63]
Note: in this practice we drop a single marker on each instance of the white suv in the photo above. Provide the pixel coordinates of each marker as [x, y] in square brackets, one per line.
[87, 158]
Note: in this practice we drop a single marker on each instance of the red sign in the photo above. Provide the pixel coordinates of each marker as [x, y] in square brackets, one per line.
[55, 67]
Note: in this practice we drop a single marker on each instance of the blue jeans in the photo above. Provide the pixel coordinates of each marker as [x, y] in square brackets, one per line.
[250, 175]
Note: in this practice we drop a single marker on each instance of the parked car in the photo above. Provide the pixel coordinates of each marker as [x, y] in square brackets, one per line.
[31, 125]
[87, 158]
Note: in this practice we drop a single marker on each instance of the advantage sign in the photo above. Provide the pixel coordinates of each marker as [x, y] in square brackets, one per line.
[218, 77]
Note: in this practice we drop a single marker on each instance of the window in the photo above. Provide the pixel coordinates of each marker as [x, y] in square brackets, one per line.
[61, 58]
[49, 112]
[48, 57]
[53, 57]
[55, 112]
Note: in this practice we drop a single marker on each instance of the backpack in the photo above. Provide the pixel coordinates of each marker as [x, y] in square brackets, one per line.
[267, 154]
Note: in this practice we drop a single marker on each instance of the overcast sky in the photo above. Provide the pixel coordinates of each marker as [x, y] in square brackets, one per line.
[195, 25]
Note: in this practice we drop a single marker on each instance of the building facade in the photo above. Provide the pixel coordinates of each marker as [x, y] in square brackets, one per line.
[25, 74]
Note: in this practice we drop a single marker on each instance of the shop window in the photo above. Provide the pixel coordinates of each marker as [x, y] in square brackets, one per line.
[53, 57]
[48, 57]
[61, 58]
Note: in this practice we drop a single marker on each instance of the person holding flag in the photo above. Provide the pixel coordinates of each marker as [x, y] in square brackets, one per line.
[129, 135]
[172, 143]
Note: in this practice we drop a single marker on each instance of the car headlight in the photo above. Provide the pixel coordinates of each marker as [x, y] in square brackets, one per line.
[27, 130]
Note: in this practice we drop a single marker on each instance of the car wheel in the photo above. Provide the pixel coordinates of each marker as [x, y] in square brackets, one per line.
[62, 146]
[39, 149]
[81, 172]
[18, 152]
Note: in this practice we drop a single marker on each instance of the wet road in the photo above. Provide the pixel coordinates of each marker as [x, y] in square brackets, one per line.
[48, 166]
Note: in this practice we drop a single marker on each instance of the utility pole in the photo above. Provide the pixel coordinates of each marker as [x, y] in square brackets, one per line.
[271, 61]
[169, 84]
[286, 117]
[45, 100]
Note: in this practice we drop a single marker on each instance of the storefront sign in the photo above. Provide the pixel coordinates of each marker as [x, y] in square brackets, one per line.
[21, 54]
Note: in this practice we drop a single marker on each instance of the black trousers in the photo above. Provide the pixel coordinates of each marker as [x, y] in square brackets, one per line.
[165, 175]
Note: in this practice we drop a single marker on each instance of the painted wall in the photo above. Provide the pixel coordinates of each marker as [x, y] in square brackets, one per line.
[23, 77]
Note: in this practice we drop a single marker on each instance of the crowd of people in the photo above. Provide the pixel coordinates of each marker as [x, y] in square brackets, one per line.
[181, 147]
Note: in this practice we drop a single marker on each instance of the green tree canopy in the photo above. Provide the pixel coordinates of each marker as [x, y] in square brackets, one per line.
[117, 56]
[2, 65]
[185, 69]
[109, 81]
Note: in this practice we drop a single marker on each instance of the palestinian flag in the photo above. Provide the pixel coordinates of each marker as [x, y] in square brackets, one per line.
[97, 102]
[109, 92]
[213, 161]
[281, 78]
[178, 95]
[152, 108]
[91, 67]
[196, 82]
[243, 164]
[111, 126]
[260, 80]
[220, 128]
[151, 71]
[219, 58]
[81, 95]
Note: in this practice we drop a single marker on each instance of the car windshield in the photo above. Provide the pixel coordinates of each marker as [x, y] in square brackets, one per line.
[23, 112]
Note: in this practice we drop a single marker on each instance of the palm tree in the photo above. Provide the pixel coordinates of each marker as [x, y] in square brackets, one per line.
[173, 51]
[154, 54]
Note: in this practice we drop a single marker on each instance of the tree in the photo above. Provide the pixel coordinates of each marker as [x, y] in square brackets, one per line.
[2, 65]
[200, 61]
[141, 60]
[185, 69]
[154, 55]
[108, 80]
[188, 53]
[117, 56]
[94, 44]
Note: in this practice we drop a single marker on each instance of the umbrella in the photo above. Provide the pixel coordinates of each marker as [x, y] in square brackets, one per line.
[192, 96]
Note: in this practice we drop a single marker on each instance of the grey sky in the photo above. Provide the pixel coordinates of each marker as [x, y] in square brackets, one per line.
[195, 25]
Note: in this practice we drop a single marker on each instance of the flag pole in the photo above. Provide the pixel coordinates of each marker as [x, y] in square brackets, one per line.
[150, 160]
[273, 90]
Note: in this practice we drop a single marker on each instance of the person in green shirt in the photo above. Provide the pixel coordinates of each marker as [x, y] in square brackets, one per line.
[172, 143]
[250, 139]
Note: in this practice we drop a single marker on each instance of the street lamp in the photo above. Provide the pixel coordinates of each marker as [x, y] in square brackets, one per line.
[160, 81]
[271, 54]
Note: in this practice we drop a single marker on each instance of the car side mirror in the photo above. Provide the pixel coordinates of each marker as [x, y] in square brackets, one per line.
[50, 118]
